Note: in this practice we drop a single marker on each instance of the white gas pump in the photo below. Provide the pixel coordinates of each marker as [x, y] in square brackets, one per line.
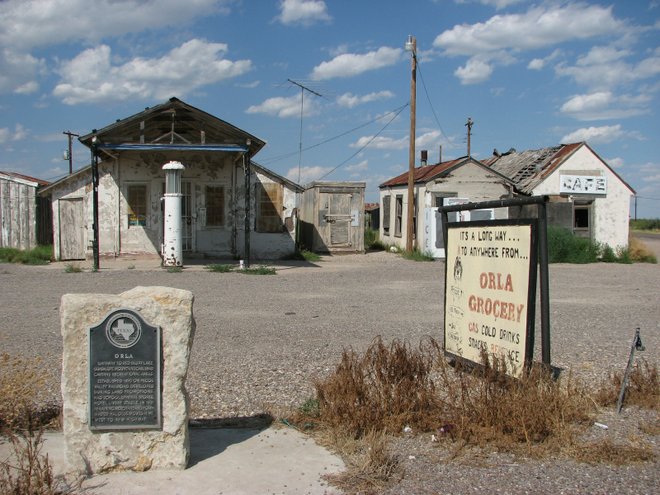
[173, 241]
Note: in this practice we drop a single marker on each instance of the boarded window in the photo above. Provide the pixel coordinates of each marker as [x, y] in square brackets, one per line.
[269, 206]
[137, 205]
[215, 206]
[398, 221]
[386, 215]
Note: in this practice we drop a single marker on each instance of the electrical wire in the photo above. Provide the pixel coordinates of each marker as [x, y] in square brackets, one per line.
[428, 98]
[367, 144]
[321, 143]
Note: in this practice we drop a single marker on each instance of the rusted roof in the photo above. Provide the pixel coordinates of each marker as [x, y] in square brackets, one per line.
[371, 206]
[425, 174]
[527, 169]
[26, 177]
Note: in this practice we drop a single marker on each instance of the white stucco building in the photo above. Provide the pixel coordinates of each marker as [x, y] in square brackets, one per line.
[216, 157]
[586, 195]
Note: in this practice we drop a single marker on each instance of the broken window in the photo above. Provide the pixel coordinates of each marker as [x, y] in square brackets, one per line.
[215, 206]
[582, 219]
[398, 220]
[269, 206]
[386, 215]
[136, 196]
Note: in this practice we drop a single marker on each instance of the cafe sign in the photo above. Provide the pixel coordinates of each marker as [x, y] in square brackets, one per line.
[490, 290]
[582, 184]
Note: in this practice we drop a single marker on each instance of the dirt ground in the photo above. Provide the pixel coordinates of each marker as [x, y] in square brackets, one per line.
[262, 340]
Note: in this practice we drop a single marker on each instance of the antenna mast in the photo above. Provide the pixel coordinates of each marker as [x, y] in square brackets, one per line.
[302, 105]
[469, 134]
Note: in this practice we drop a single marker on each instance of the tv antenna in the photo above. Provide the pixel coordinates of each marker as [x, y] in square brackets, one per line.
[302, 106]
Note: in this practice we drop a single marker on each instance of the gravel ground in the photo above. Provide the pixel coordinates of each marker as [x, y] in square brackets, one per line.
[262, 340]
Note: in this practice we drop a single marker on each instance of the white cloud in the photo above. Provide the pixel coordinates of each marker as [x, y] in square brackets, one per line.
[605, 68]
[502, 36]
[27, 24]
[351, 64]
[284, 107]
[305, 12]
[539, 63]
[428, 140]
[605, 105]
[349, 100]
[381, 143]
[498, 4]
[363, 166]
[617, 162]
[537, 28]
[307, 174]
[599, 135]
[474, 71]
[18, 71]
[92, 77]
[18, 134]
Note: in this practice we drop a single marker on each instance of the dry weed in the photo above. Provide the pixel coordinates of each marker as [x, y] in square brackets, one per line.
[369, 465]
[22, 385]
[28, 472]
[385, 389]
[643, 387]
[608, 452]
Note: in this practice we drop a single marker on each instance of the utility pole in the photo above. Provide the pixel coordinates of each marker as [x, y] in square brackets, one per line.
[469, 135]
[69, 154]
[302, 101]
[411, 46]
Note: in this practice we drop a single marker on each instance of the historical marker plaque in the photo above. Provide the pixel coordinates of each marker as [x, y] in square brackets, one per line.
[124, 373]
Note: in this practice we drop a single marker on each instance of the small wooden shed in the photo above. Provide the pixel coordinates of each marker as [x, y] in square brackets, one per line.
[25, 222]
[332, 217]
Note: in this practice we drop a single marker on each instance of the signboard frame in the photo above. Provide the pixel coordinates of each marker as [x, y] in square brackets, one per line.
[492, 281]
[128, 362]
[539, 202]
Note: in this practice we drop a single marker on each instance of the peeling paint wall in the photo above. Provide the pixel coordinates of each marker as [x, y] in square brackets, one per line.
[610, 213]
[121, 232]
[468, 181]
[18, 213]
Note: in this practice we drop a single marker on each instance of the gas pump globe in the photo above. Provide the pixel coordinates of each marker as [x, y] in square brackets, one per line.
[173, 242]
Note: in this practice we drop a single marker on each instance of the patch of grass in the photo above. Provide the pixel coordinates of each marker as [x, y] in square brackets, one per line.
[220, 268]
[41, 255]
[174, 269]
[260, 270]
[564, 247]
[303, 255]
[643, 387]
[372, 241]
[72, 268]
[608, 452]
[647, 224]
[417, 255]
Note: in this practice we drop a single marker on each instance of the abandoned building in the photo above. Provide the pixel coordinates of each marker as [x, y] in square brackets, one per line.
[457, 181]
[585, 195]
[213, 159]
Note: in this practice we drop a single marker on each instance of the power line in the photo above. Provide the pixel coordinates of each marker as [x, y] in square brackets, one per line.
[321, 143]
[302, 100]
[367, 144]
[419, 69]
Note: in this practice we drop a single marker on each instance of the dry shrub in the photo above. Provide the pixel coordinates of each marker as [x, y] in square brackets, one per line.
[608, 452]
[487, 407]
[369, 465]
[639, 251]
[22, 385]
[385, 389]
[643, 388]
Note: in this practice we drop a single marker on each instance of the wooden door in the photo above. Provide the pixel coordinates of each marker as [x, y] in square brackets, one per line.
[338, 219]
[72, 229]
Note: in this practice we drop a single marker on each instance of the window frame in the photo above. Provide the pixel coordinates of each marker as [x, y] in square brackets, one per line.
[208, 208]
[398, 215]
[269, 222]
[133, 219]
[386, 220]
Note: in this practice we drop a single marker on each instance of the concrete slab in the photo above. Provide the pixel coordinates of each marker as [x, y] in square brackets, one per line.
[227, 461]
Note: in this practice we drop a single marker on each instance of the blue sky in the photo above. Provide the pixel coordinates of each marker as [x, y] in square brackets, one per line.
[529, 74]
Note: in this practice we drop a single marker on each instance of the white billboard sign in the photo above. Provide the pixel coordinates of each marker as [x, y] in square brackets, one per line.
[582, 184]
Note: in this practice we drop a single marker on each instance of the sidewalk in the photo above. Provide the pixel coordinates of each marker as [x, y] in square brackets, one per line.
[228, 461]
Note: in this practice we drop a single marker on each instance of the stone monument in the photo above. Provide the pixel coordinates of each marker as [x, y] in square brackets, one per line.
[124, 367]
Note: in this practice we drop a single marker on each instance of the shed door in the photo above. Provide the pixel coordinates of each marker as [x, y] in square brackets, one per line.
[72, 229]
[337, 219]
